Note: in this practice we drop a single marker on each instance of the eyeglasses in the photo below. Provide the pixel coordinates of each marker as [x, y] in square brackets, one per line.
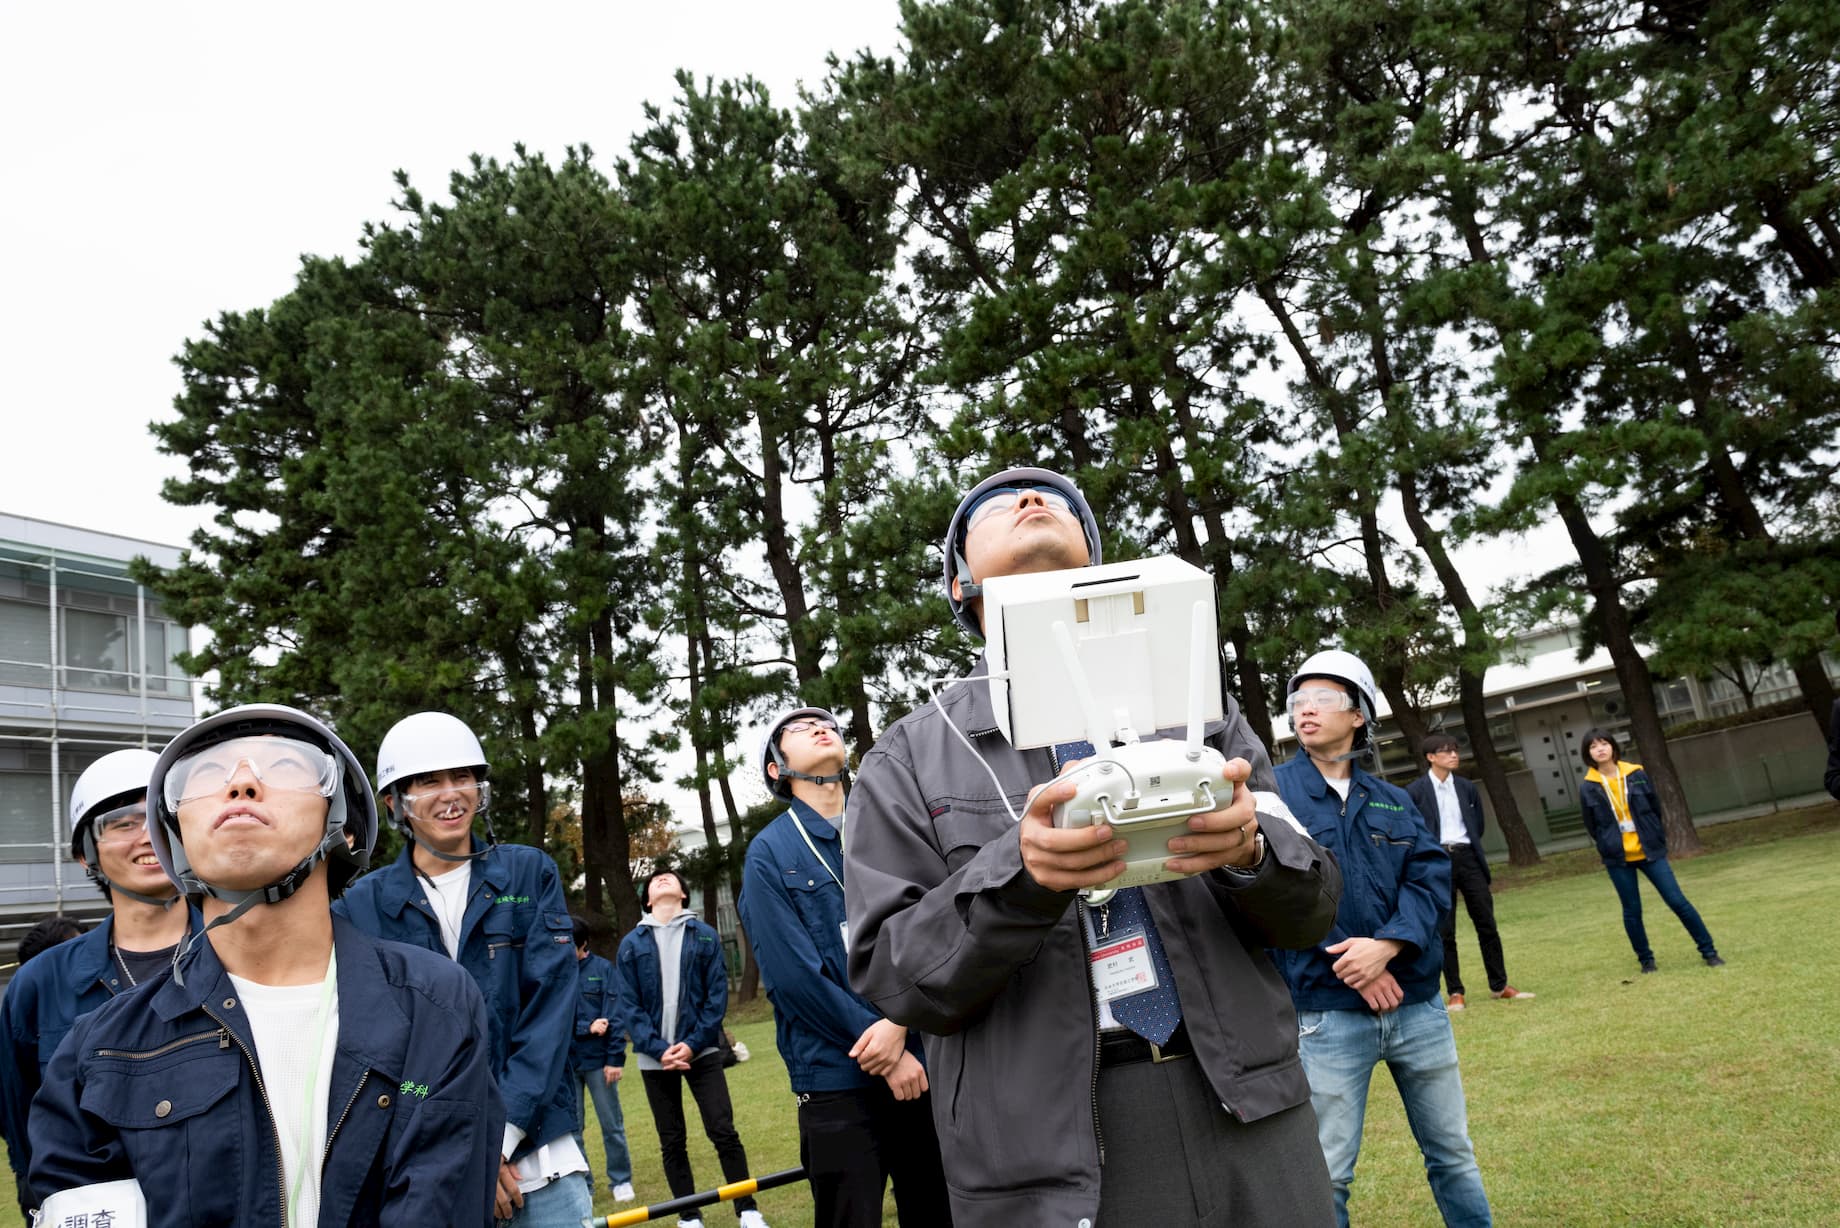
[277, 763]
[1325, 698]
[122, 824]
[1448, 750]
[1005, 498]
[807, 725]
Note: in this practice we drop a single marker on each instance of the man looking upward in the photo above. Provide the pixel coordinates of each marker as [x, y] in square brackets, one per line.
[864, 1113]
[284, 1068]
[1370, 994]
[1128, 1064]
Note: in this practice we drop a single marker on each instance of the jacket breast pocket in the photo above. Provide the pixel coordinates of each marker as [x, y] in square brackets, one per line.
[963, 827]
[818, 902]
[181, 1127]
[1394, 836]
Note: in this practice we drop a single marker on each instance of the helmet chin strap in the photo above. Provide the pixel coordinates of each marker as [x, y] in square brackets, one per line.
[837, 777]
[242, 901]
[788, 772]
[277, 891]
[400, 812]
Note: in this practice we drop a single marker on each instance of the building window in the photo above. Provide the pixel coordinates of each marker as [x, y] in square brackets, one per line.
[25, 644]
[98, 652]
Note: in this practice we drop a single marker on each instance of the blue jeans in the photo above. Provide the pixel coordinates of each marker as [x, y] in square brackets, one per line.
[1661, 875]
[563, 1203]
[613, 1125]
[1340, 1050]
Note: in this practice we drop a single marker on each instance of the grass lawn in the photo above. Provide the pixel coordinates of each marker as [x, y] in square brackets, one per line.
[1695, 1096]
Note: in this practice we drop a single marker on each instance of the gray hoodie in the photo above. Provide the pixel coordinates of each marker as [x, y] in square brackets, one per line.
[669, 935]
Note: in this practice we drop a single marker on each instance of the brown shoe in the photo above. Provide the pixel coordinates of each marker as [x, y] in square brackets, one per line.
[1455, 1003]
[1509, 991]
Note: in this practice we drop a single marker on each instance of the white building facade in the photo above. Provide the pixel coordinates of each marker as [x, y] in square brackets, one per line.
[86, 667]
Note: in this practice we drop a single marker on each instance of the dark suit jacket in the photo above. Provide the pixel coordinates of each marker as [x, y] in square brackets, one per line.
[1469, 803]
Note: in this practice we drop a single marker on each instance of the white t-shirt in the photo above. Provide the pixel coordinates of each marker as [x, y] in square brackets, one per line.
[284, 1020]
[447, 895]
[1340, 784]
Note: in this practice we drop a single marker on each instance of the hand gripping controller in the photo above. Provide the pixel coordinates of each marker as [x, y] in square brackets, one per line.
[1146, 791]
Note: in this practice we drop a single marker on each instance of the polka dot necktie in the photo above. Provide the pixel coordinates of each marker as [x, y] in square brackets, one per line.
[1154, 1013]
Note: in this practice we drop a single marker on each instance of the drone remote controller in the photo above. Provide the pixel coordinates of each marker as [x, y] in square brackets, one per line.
[1146, 791]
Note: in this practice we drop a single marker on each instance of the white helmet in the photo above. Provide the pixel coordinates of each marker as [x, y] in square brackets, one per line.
[119, 778]
[956, 567]
[351, 811]
[431, 742]
[770, 753]
[427, 742]
[1339, 665]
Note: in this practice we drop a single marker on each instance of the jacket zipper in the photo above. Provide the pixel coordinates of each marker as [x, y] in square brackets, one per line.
[1092, 1007]
[168, 1047]
[327, 1154]
[273, 1130]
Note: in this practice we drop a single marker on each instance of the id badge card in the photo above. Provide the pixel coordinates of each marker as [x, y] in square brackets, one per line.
[1626, 825]
[1122, 967]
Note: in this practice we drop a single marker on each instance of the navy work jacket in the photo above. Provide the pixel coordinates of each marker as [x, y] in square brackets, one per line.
[46, 996]
[518, 943]
[702, 990]
[1395, 884]
[161, 1085]
[597, 997]
[1600, 815]
[792, 907]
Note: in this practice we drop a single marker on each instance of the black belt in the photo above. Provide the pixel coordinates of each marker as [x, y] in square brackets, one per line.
[1125, 1047]
[1460, 844]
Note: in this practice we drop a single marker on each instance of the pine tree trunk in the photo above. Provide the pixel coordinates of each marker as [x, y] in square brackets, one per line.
[1521, 849]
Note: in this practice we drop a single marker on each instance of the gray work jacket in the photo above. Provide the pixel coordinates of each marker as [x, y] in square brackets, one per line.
[950, 936]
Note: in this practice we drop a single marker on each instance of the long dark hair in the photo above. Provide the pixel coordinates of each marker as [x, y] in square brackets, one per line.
[1597, 735]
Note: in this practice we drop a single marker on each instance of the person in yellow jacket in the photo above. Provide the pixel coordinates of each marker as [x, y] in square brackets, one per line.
[1624, 822]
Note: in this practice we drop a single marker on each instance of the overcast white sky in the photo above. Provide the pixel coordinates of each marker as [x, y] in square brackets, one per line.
[167, 162]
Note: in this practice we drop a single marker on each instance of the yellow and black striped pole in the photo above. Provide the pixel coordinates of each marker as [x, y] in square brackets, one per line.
[690, 1202]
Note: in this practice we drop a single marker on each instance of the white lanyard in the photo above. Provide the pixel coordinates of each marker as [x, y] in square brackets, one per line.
[806, 836]
[303, 1141]
[1617, 785]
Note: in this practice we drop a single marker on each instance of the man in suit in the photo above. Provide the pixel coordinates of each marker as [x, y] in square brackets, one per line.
[1452, 808]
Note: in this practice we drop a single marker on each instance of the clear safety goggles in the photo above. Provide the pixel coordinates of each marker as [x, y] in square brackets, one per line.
[1322, 698]
[1005, 498]
[474, 793]
[277, 763]
[805, 724]
[122, 824]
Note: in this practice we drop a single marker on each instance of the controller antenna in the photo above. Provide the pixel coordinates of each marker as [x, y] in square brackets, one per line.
[1082, 689]
[1198, 638]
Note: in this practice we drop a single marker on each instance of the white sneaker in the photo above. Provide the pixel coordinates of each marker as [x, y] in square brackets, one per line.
[752, 1219]
[623, 1192]
[689, 1223]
